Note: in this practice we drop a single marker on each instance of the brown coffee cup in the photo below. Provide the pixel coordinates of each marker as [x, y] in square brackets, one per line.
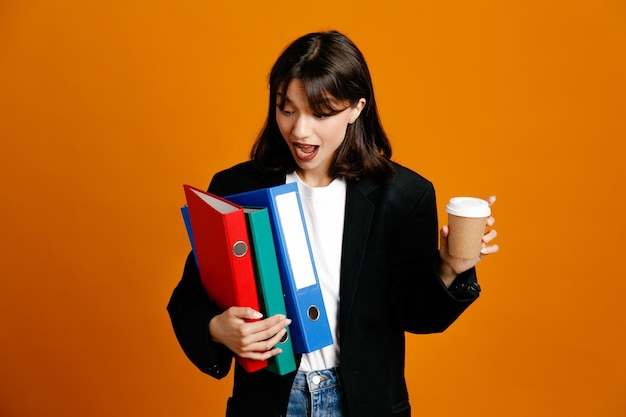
[467, 220]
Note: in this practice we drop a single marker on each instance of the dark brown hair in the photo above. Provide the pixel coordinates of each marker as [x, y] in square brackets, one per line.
[332, 69]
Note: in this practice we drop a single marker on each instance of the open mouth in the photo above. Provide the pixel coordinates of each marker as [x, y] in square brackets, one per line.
[305, 152]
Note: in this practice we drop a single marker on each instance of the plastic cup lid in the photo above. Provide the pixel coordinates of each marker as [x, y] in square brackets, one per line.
[468, 207]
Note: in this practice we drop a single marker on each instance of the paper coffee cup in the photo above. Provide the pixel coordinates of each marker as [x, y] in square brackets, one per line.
[467, 219]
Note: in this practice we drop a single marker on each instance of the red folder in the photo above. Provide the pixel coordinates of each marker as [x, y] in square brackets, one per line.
[222, 249]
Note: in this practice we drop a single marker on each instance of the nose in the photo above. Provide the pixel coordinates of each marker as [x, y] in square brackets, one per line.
[301, 127]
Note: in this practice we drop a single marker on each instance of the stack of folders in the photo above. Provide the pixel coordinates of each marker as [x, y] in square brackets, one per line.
[269, 260]
[280, 274]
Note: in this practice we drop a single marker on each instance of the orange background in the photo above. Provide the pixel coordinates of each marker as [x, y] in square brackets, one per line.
[107, 108]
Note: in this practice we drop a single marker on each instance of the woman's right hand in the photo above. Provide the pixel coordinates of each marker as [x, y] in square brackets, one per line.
[249, 339]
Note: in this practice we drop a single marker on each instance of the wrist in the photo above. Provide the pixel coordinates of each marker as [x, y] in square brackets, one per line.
[213, 324]
[446, 274]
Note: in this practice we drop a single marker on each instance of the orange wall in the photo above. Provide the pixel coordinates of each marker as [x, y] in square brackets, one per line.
[106, 109]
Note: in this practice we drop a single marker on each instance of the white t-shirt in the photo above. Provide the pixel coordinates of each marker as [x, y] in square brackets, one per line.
[324, 211]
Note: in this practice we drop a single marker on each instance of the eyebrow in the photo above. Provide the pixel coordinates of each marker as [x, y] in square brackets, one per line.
[282, 95]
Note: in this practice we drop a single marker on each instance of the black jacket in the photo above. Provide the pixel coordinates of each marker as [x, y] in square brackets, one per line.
[389, 285]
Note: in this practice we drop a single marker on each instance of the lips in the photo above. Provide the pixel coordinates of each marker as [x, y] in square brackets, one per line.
[305, 152]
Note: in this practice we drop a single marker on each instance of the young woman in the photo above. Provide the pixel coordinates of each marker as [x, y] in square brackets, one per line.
[373, 228]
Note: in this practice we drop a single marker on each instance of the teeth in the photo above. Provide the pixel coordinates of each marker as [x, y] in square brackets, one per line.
[306, 148]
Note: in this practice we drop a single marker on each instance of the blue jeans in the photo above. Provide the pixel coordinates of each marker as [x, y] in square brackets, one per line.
[316, 394]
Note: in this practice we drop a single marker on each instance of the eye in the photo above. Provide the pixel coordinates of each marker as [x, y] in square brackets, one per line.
[285, 111]
[326, 114]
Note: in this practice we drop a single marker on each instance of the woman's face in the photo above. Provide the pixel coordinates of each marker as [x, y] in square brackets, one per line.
[313, 138]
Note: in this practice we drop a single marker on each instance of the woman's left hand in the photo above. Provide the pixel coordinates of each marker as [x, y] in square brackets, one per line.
[452, 266]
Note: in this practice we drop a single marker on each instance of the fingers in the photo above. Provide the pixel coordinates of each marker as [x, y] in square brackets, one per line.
[245, 313]
[486, 248]
[256, 340]
[489, 249]
[490, 235]
[265, 329]
[491, 199]
[264, 349]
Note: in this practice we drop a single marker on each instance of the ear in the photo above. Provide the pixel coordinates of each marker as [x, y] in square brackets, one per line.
[356, 110]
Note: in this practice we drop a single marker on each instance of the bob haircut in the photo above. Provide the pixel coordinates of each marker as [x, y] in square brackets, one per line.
[332, 70]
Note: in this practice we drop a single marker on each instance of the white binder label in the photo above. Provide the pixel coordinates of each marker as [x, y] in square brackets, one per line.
[295, 240]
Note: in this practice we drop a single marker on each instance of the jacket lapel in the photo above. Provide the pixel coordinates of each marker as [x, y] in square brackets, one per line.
[358, 219]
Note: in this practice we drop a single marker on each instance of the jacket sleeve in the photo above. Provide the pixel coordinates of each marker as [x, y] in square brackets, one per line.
[191, 311]
[422, 302]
